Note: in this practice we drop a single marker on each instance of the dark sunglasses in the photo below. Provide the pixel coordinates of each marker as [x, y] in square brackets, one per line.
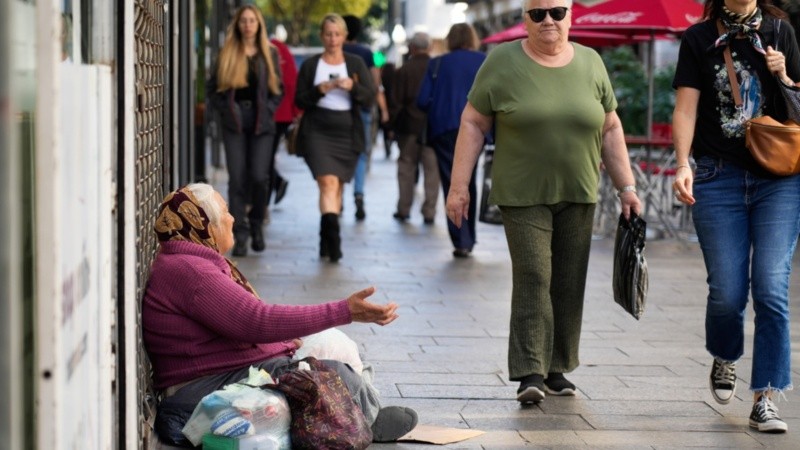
[538, 14]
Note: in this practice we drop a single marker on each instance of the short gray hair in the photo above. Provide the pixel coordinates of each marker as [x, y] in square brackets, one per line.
[525, 3]
[204, 194]
[420, 40]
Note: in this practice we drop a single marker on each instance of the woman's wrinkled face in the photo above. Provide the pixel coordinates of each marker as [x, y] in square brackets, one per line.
[248, 24]
[223, 233]
[548, 30]
[332, 36]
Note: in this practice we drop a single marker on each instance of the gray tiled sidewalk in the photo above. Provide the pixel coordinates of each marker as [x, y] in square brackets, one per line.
[641, 384]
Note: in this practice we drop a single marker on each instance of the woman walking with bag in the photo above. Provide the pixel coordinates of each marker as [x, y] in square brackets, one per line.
[443, 96]
[747, 219]
[246, 89]
[332, 88]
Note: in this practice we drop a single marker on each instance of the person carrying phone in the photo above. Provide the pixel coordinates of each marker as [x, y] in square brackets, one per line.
[332, 88]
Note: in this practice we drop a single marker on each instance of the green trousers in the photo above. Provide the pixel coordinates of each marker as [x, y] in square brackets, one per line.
[549, 246]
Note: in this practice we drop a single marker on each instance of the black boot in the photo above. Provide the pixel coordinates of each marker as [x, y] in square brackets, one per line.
[360, 213]
[240, 246]
[331, 230]
[323, 237]
[257, 235]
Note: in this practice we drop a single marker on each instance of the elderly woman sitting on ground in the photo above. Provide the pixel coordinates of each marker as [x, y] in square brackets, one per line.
[204, 325]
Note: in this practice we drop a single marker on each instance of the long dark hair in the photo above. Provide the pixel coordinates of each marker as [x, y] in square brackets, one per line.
[713, 9]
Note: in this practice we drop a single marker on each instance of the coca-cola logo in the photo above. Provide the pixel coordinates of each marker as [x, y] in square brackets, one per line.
[620, 18]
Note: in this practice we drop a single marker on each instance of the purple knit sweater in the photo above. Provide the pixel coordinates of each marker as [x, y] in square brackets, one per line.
[197, 321]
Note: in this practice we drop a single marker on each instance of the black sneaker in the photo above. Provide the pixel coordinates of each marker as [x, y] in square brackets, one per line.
[531, 389]
[722, 380]
[764, 417]
[556, 384]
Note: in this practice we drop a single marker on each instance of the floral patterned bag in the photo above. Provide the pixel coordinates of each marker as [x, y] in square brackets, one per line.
[324, 415]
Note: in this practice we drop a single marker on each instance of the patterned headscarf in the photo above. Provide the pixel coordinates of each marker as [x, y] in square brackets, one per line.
[745, 24]
[180, 218]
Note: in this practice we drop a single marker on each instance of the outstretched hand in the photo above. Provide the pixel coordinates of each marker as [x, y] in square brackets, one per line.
[363, 311]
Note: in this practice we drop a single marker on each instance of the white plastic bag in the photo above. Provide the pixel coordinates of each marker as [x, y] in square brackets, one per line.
[331, 344]
[240, 410]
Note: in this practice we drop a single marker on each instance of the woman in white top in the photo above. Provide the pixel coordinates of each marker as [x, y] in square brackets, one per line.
[332, 87]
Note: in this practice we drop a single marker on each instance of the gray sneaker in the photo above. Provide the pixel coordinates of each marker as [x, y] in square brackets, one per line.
[764, 417]
[722, 380]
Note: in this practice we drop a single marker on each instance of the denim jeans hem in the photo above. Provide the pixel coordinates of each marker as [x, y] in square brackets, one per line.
[721, 358]
[781, 391]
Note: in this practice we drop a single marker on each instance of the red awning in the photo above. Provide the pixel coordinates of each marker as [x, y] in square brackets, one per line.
[638, 16]
[588, 38]
[618, 22]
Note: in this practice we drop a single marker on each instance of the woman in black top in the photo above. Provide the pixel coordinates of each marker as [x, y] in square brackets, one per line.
[747, 219]
[246, 89]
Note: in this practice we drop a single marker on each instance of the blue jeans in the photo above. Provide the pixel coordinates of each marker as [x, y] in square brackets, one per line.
[445, 146]
[748, 229]
[363, 157]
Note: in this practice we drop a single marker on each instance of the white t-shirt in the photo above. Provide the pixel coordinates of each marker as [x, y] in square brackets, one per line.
[336, 99]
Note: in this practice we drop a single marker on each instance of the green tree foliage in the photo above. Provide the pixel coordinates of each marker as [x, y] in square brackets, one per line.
[301, 17]
[629, 79]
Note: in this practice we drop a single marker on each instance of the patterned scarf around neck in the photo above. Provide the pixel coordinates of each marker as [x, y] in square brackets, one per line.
[745, 24]
[180, 218]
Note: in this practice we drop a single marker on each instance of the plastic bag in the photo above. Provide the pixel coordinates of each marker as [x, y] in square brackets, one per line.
[331, 344]
[242, 409]
[630, 281]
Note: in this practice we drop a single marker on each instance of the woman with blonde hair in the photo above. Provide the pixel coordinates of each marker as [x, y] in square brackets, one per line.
[332, 88]
[246, 89]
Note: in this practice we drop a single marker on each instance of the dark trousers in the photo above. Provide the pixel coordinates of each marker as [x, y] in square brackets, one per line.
[274, 177]
[249, 163]
[445, 146]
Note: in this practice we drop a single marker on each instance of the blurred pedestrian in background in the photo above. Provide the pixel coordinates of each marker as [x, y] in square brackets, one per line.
[284, 116]
[246, 89]
[443, 96]
[387, 79]
[409, 123]
[354, 28]
[747, 219]
[332, 89]
[553, 109]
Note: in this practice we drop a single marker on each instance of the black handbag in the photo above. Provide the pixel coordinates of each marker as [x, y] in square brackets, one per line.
[488, 213]
[630, 281]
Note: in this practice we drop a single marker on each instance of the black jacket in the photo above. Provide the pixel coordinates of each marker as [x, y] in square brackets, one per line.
[266, 101]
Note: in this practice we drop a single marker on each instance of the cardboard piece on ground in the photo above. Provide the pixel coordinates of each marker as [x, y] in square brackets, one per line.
[439, 435]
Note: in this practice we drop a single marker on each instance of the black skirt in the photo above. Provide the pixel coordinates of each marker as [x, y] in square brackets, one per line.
[328, 143]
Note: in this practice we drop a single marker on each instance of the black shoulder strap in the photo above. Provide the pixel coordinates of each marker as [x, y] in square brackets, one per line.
[436, 68]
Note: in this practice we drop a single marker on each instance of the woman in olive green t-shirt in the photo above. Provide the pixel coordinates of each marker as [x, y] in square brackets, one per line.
[553, 109]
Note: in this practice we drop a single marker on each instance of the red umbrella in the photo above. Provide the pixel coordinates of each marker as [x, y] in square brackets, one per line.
[638, 16]
[588, 38]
